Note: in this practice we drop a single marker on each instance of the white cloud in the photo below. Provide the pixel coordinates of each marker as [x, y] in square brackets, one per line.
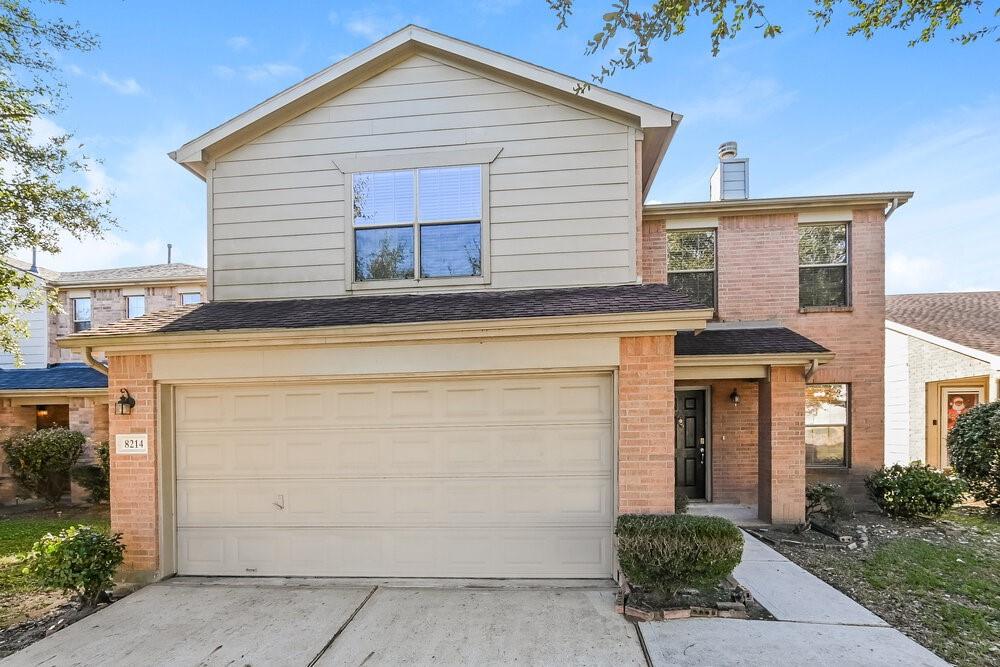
[126, 86]
[334, 17]
[238, 42]
[739, 99]
[261, 72]
[373, 24]
[100, 253]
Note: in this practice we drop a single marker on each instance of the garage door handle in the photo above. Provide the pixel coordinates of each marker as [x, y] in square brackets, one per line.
[280, 504]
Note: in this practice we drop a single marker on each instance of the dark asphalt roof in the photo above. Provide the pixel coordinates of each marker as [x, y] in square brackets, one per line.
[762, 340]
[401, 309]
[56, 376]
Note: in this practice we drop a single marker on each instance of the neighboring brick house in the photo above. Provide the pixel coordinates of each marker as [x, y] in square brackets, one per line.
[446, 338]
[942, 358]
[56, 387]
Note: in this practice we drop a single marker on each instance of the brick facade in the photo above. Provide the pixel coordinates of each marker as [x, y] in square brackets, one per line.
[781, 462]
[14, 419]
[646, 425]
[134, 506]
[89, 417]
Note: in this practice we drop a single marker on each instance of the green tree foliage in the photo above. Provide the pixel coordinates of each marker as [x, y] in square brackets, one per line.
[664, 19]
[37, 205]
[41, 461]
[914, 490]
[974, 451]
[96, 477]
[79, 560]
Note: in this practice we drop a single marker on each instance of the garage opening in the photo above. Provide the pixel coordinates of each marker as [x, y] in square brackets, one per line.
[456, 477]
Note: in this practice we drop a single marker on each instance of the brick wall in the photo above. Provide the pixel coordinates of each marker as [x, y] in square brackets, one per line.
[134, 511]
[646, 425]
[14, 419]
[781, 469]
[90, 418]
[757, 267]
[107, 306]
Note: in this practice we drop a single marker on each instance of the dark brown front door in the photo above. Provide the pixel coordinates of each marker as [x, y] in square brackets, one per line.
[690, 443]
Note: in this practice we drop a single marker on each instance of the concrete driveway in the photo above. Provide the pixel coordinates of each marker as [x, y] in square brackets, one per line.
[237, 622]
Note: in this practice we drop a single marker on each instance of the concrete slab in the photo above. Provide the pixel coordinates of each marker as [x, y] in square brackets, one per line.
[736, 642]
[411, 626]
[792, 594]
[741, 515]
[395, 582]
[175, 624]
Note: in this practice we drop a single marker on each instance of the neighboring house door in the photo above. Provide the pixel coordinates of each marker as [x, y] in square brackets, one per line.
[691, 443]
[947, 400]
[445, 477]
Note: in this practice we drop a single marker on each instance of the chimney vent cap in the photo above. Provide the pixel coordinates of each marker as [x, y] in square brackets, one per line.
[727, 150]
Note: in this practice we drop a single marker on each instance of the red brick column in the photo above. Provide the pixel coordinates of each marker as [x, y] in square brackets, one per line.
[134, 507]
[81, 418]
[781, 460]
[646, 425]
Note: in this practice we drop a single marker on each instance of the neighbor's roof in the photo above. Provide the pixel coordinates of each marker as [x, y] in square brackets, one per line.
[175, 271]
[398, 309]
[55, 376]
[971, 319]
[737, 206]
[659, 123]
[762, 340]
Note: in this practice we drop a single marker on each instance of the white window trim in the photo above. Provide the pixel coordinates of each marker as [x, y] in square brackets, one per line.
[848, 288]
[73, 304]
[128, 299]
[394, 285]
[191, 293]
[715, 258]
[847, 425]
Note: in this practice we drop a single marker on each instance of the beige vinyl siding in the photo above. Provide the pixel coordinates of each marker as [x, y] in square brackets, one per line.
[34, 348]
[561, 192]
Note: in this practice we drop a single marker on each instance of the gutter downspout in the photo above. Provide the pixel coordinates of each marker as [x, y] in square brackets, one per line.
[88, 358]
[811, 369]
[892, 208]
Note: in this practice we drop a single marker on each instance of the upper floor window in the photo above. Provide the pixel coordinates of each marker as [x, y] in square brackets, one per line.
[418, 223]
[135, 306]
[190, 298]
[823, 262]
[827, 411]
[691, 264]
[81, 314]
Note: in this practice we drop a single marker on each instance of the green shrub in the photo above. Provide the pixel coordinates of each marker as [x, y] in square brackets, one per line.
[914, 490]
[79, 560]
[827, 499]
[96, 478]
[665, 553]
[974, 450]
[41, 460]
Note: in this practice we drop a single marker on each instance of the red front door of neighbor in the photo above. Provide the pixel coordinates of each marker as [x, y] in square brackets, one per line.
[690, 445]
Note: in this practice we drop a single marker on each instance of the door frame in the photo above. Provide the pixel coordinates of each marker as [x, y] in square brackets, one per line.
[936, 412]
[707, 389]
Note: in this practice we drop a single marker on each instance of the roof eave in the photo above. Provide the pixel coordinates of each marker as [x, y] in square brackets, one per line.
[730, 207]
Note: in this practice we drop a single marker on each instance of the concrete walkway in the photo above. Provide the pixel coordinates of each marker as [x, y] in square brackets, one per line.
[816, 624]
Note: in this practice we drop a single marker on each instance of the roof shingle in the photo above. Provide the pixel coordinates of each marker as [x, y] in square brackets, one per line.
[400, 309]
[55, 376]
[172, 271]
[760, 340]
[971, 319]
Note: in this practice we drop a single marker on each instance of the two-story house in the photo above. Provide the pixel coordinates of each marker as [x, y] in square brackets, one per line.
[444, 336]
[58, 387]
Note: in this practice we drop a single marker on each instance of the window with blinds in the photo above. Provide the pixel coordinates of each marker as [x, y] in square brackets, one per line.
[418, 223]
[691, 264]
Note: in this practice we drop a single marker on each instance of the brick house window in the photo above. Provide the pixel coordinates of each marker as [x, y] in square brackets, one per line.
[691, 264]
[827, 424]
[81, 314]
[423, 223]
[190, 298]
[823, 264]
[135, 306]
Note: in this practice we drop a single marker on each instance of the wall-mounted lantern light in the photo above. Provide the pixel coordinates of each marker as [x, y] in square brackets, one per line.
[42, 411]
[734, 397]
[125, 404]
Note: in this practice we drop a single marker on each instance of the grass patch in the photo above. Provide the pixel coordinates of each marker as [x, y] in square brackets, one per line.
[19, 594]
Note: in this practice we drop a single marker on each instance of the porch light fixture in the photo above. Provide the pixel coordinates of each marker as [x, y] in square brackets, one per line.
[42, 411]
[125, 404]
[734, 397]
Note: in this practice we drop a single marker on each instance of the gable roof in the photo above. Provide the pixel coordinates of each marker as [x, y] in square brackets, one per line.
[971, 319]
[398, 309]
[658, 124]
[175, 272]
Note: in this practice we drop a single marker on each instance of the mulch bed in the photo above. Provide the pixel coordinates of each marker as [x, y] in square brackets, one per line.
[19, 636]
[725, 600]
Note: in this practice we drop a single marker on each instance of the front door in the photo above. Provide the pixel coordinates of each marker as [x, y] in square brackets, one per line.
[690, 444]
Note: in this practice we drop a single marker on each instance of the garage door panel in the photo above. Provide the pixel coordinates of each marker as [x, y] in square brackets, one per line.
[499, 477]
[362, 552]
[495, 501]
[545, 449]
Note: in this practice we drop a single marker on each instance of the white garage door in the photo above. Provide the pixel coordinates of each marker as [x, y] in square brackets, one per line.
[497, 477]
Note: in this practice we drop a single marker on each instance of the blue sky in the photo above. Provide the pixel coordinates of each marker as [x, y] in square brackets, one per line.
[817, 113]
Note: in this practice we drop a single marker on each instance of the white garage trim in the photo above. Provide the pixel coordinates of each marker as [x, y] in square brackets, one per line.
[478, 475]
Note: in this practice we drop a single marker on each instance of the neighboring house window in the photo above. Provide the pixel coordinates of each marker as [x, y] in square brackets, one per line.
[189, 298]
[691, 264]
[823, 261]
[424, 223]
[81, 314]
[135, 306]
[827, 412]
